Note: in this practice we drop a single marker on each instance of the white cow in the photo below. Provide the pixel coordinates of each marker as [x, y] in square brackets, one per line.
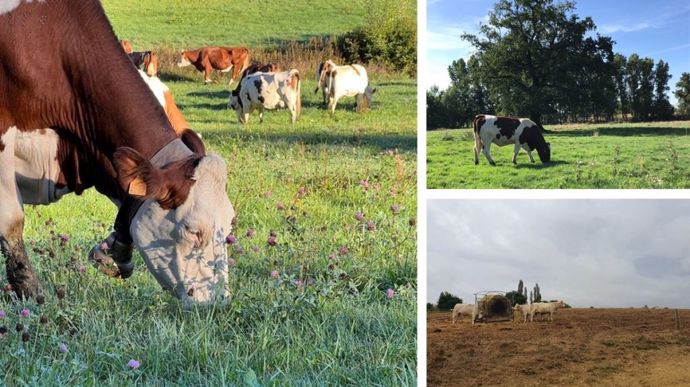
[345, 81]
[524, 309]
[465, 309]
[270, 91]
[545, 308]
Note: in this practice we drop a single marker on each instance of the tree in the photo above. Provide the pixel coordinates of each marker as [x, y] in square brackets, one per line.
[447, 301]
[623, 96]
[661, 108]
[516, 298]
[531, 296]
[520, 287]
[682, 92]
[534, 55]
[537, 293]
[429, 306]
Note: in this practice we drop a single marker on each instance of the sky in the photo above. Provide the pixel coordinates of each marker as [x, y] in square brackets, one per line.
[601, 253]
[658, 29]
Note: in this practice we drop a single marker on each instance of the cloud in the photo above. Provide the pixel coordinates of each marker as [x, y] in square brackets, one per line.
[614, 253]
[446, 38]
[614, 28]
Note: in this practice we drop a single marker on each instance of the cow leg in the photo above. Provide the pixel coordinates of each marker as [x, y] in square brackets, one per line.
[515, 153]
[529, 152]
[485, 150]
[20, 272]
[331, 104]
[261, 115]
[207, 75]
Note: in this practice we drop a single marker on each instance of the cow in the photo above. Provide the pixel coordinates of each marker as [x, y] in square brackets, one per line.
[345, 81]
[267, 91]
[145, 60]
[323, 74]
[545, 308]
[207, 59]
[165, 98]
[106, 131]
[522, 132]
[471, 310]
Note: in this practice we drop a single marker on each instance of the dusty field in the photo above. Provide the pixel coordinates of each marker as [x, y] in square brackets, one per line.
[612, 347]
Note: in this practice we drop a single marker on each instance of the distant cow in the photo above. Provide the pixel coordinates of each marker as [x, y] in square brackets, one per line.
[323, 73]
[459, 310]
[267, 91]
[224, 59]
[346, 81]
[145, 60]
[522, 132]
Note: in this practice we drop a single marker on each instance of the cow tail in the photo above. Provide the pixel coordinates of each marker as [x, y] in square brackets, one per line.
[298, 106]
[477, 137]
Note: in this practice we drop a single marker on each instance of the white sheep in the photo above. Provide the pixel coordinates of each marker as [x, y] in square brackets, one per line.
[546, 308]
[466, 309]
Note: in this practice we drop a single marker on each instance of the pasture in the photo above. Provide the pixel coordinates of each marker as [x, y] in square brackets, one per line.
[628, 155]
[612, 347]
[332, 303]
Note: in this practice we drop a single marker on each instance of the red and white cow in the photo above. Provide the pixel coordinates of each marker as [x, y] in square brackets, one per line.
[224, 59]
[106, 131]
[267, 91]
[345, 81]
[521, 132]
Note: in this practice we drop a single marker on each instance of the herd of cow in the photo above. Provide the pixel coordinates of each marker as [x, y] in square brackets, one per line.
[527, 310]
[264, 86]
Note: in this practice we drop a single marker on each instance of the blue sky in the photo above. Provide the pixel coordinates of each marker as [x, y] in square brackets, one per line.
[655, 29]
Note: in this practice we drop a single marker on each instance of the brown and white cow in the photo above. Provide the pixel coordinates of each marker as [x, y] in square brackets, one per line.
[521, 132]
[224, 59]
[345, 81]
[108, 132]
[145, 60]
[267, 91]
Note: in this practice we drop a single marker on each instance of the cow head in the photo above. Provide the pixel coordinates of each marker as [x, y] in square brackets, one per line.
[181, 227]
[183, 60]
[544, 152]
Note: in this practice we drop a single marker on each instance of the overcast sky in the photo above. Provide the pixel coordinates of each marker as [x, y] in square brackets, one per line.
[602, 253]
[657, 29]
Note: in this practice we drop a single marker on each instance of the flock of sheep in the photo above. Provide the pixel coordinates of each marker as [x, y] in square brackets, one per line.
[527, 310]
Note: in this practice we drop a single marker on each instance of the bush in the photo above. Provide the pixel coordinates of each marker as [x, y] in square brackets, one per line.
[389, 37]
[447, 301]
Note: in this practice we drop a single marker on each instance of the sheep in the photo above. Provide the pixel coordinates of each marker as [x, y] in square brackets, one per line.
[467, 309]
[524, 309]
[544, 307]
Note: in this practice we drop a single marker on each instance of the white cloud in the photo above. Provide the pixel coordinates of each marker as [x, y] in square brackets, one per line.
[614, 28]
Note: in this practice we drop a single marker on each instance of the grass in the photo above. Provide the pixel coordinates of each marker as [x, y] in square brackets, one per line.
[627, 155]
[325, 319]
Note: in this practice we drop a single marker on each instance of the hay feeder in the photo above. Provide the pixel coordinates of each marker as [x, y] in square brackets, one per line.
[493, 306]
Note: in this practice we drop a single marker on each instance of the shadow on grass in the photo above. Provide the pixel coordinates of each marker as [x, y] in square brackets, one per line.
[175, 77]
[392, 83]
[538, 165]
[223, 94]
[624, 132]
[381, 141]
[207, 106]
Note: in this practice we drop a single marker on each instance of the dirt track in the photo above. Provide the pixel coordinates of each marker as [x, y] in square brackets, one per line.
[612, 347]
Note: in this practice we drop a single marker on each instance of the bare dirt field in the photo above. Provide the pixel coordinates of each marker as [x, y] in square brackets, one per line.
[611, 347]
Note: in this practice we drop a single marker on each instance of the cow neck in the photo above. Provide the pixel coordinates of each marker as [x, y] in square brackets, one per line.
[173, 151]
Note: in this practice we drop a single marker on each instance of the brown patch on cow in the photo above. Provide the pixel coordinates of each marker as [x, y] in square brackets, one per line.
[355, 69]
[169, 185]
[507, 126]
[193, 142]
[126, 45]
[151, 64]
[175, 117]
[478, 122]
[294, 80]
[207, 59]
[2, 145]
[534, 139]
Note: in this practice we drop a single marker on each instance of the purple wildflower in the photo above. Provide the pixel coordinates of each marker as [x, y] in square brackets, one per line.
[364, 183]
[343, 250]
[274, 274]
[2, 313]
[250, 233]
[133, 364]
[64, 238]
[272, 240]
[81, 268]
[280, 206]
[371, 226]
[301, 192]
[230, 239]
[62, 348]
[298, 283]
[359, 215]
[390, 293]
[256, 249]
[395, 209]
[25, 312]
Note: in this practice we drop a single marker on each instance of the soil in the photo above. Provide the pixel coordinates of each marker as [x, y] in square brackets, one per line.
[612, 347]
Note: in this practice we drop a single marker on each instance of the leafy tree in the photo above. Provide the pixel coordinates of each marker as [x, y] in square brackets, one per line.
[447, 301]
[520, 287]
[534, 55]
[682, 92]
[537, 293]
[661, 108]
[623, 96]
[516, 298]
[429, 306]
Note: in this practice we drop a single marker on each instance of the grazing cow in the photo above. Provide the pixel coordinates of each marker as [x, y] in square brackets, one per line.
[522, 132]
[323, 74]
[346, 81]
[544, 308]
[165, 98]
[145, 60]
[108, 132]
[267, 91]
[207, 59]
[524, 309]
[471, 310]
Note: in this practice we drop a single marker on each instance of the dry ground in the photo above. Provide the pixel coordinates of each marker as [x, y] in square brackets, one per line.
[612, 347]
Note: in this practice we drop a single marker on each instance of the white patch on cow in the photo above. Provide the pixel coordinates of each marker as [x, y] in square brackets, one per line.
[275, 92]
[183, 61]
[226, 70]
[7, 6]
[37, 168]
[10, 202]
[167, 239]
[348, 81]
[156, 85]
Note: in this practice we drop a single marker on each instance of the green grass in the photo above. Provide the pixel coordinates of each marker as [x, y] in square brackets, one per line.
[338, 328]
[630, 155]
[181, 23]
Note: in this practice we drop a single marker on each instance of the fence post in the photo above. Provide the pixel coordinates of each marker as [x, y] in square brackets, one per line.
[677, 320]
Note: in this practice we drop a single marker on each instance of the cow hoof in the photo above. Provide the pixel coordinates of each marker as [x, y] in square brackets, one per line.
[26, 289]
[112, 258]
[493, 163]
[476, 163]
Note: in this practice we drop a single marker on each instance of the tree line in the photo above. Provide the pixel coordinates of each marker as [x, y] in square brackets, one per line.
[447, 300]
[537, 59]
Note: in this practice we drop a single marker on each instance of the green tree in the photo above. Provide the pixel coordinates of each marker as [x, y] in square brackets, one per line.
[537, 293]
[520, 287]
[516, 298]
[447, 301]
[661, 108]
[531, 52]
[623, 95]
[682, 92]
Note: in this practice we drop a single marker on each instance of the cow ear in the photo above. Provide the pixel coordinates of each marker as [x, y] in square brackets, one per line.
[136, 175]
[193, 141]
